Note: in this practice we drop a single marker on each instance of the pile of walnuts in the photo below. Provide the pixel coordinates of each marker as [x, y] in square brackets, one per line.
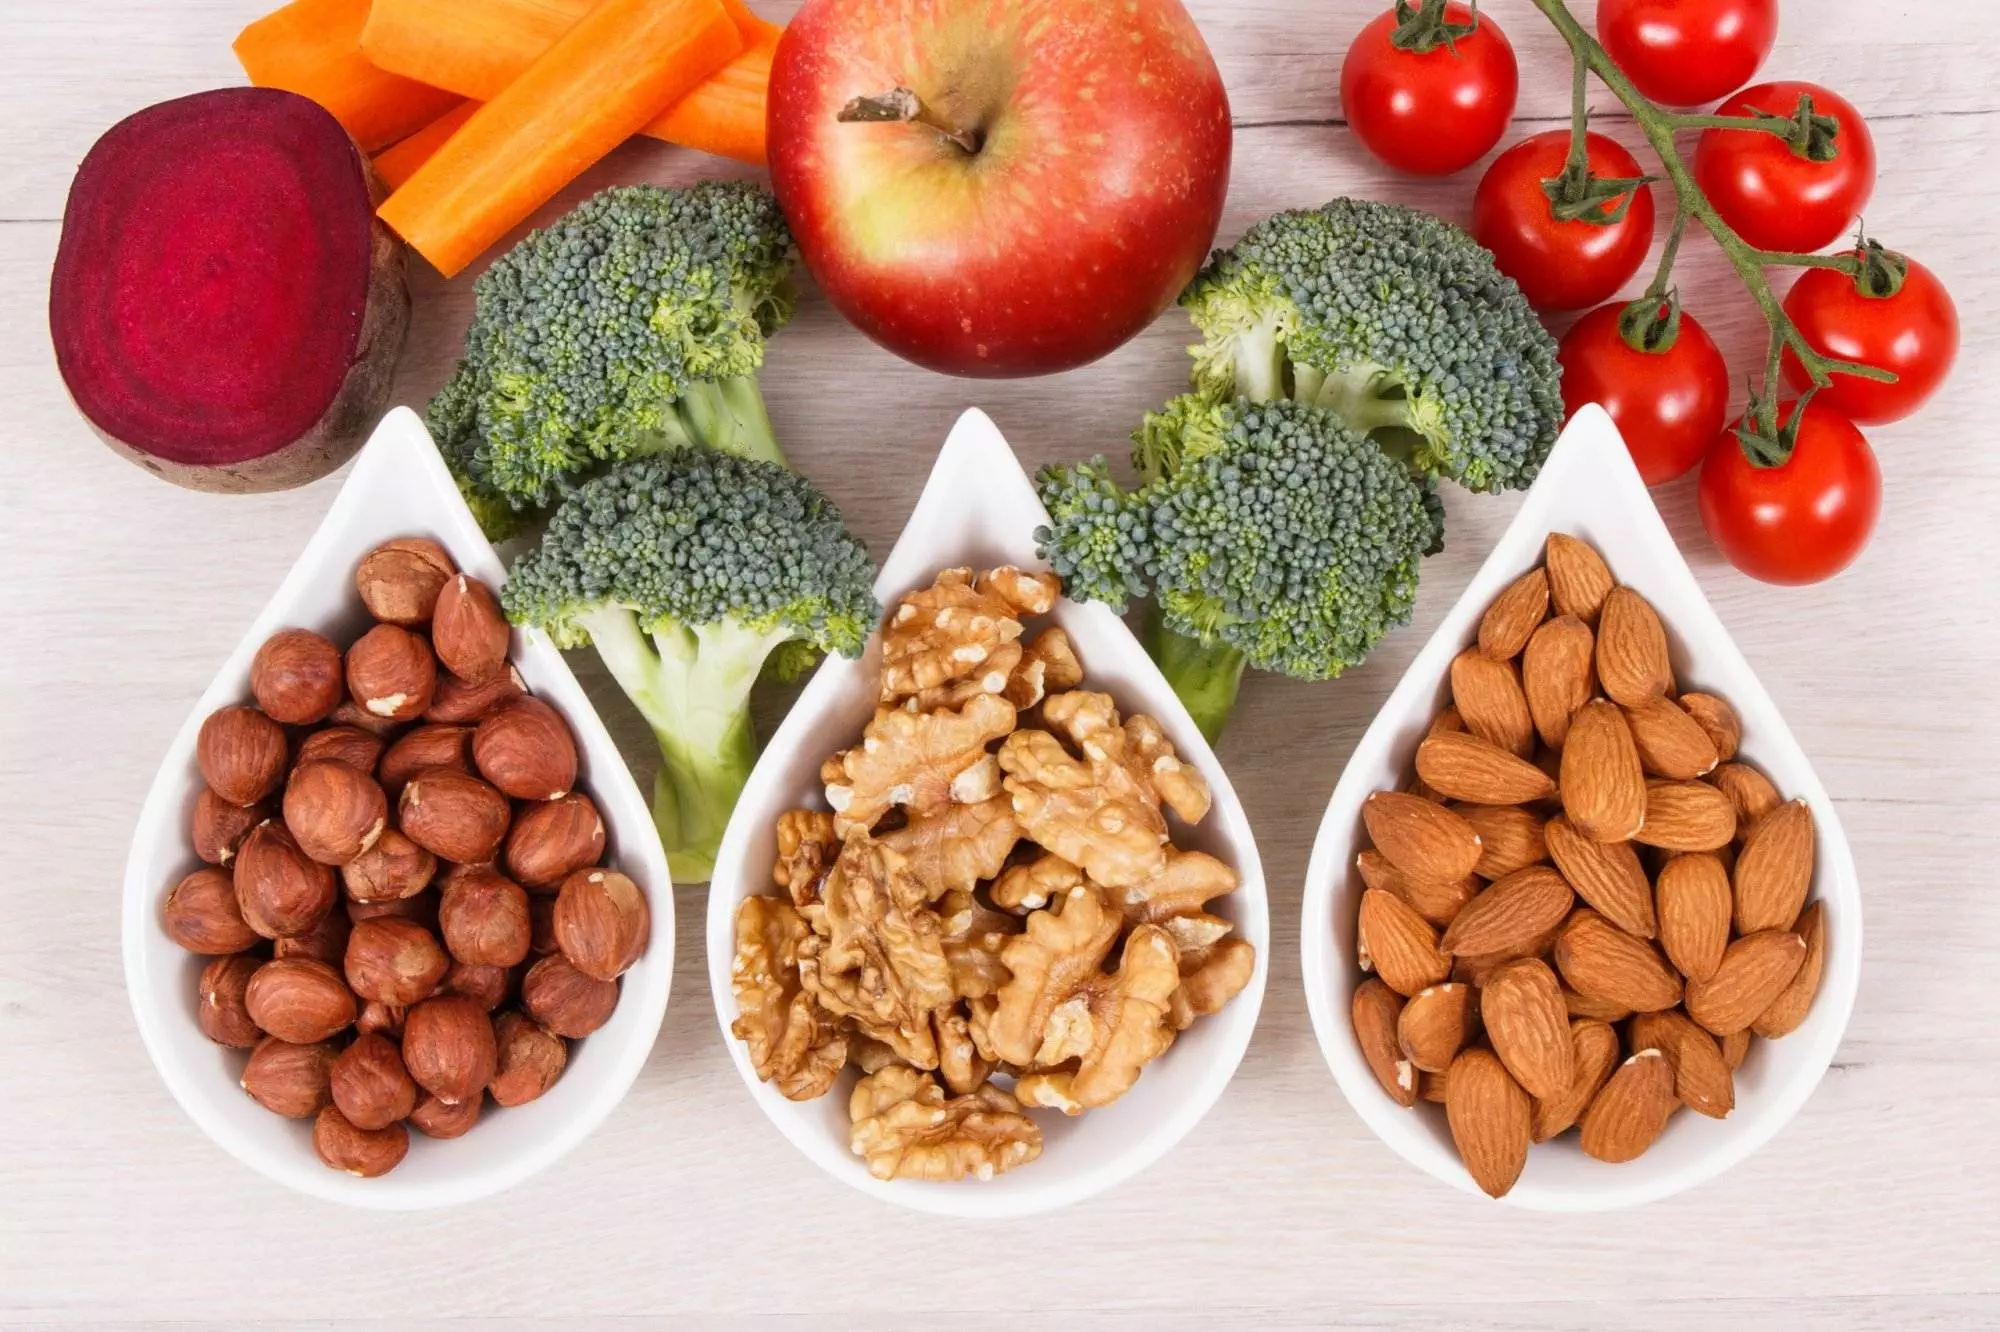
[402, 893]
[993, 893]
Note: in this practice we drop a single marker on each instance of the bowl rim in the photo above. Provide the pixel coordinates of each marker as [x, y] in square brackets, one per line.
[976, 448]
[1590, 454]
[400, 453]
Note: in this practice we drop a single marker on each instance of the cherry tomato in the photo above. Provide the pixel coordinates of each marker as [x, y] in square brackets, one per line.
[1688, 52]
[1669, 405]
[1560, 265]
[1778, 199]
[1800, 522]
[1914, 333]
[1434, 112]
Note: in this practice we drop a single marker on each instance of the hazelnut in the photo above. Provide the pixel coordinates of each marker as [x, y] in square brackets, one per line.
[393, 960]
[565, 1000]
[325, 942]
[382, 1019]
[202, 915]
[602, 922]
[487, 986]
[448, 1046]
[241, 753]
[425, 747]
[525, 748]
[394, 868]
[552, 839]
[438, 1119]
[219, 827]
[220, 1011]
[453, 815]
[358, 1151]
[391, 672]
[370, 1085]
[280, 889]
[353, 714]
[422, 908]
[300, 1000]
[531, 1058]
[457, 703]
[541, 924]
[358, 749]
[468, 631]
[296, 677]
[484, 918]
[334, 813]
[289, 1080]
[399, 581]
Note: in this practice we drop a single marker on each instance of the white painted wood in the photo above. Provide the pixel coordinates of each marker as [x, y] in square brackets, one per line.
[1878, 1208]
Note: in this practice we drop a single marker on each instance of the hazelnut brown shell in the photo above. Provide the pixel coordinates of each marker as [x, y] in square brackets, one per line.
[602, 922]
[358, 1151]
[333, 811]
[391, 673]
[299, 999]
[201, 915]
[218, 827]
[552, 839]
[279, 888]
[484, 918]
[393, 960]
[392, 869]
[525, 748]
[448, 1047]
[289, 1080]
[531, 1058]
[453, 815]
[370, 1085]
[566, 1001]
[399, 580]
[468, 630]
[220, 1010]
[296, 677]
[241, 753]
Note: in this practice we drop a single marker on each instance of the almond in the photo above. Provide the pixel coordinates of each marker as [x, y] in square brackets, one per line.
[1750, 793]
[1435, 1025]
[1671, 743]
[1490, 1118]
[1511, 915]
[1628, 1114]
[1488, 695]
[1522, 1008]
[1558, 675]
[1376, 1009]
[1579, 580]
[1694, 903]
[1423, 839]
[1716, 717]
[1463, 766]
[1510, 838]
[1754, 972]
[1398, 944]
[1601, 960]
[1632, 660]
[1734, 1047]
[1594, 1054]
[1603, 784]
[1660, 1031]
[1789, 1009]
[1581, 1005]
[1702, 1078]
[1475, 969]
[1774, 870]
[1437, 903]
[1686, 816]
[1514, 615]
[1607, 875]
[1430, 1087]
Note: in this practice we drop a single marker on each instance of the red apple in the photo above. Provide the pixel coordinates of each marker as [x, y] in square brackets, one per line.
[1044, 177]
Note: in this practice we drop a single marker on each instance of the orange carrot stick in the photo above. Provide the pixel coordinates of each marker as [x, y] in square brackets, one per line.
[397, 163]
[621, 64]
[313, 48]
[477, 51]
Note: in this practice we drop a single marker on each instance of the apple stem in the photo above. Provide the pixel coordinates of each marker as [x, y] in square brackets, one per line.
[904, 106]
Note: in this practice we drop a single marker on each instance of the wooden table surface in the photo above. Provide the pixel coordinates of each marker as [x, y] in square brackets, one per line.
[1878, 1207]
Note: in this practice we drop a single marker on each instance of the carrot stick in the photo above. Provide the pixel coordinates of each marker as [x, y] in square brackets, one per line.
[313, 48]
[477, 51]
[622, 64]
[396, 164]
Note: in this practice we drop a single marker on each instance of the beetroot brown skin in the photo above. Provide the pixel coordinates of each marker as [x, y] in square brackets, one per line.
[226, 310]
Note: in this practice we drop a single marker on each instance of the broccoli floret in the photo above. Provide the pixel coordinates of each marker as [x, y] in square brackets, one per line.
[634, 324]
[1394, 319]
[688, 571]
[1268, 534]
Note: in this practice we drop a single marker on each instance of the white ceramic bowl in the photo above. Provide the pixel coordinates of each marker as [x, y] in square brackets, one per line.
[399, 487]
[1589, 489]
[978, 509]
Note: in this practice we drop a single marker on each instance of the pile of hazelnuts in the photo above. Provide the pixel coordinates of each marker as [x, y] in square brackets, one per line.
[403, 895]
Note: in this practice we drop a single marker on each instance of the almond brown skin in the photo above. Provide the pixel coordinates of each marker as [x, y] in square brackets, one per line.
[1522, 1007]
[1671, 743]
[290, 1080]
[280, 890]
[1419, 837]
[1399, 944]
[1755, 970]
[220, 1010]
[525, 748]
[241, 754]
[1510, 838]
[1607, 875]
[1601, 960]
[1603, 783]
[484, 918]
[1629, 1113]
[1686, 816]
[1435, 1025]
[1579, 580]
[1594, 1050]
[391, 673]
[358, 749]
[551, 840]
[602, 923]
[1715, 716]
[218, 828]
[1376, 1013]
[370, 1085]
[393, 960]
[358, 1151]
[296, 677]
[1694, 909]
[1750, 793]
[300, 1000]
[399, 581]
[1514, 615]
[531, 1058]
[1632, 662]
[453, 815]
[1463, 766]
[334, 812]
[448, 1047]
[1438, 903]
[1558, 675]
[566, 1001]
[1487, 693]
[1511, 915]
[201, 915]
[1774, 870]
[1491, 1120]
[1789, 1009]
[468, 630]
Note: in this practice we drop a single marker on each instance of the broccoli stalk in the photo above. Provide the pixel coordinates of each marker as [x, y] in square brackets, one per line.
[1205, 676]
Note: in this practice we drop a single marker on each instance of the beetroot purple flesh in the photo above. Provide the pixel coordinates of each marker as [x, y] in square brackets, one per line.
[220, 302]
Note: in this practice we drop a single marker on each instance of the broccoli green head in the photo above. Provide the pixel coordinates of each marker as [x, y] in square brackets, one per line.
[1397, 321]
[635, 323]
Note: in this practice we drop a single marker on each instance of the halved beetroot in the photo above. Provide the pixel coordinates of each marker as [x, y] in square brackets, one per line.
[226, 310]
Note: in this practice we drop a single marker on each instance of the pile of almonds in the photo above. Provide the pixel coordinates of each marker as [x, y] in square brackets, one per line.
[402, 893]
[1568, 766]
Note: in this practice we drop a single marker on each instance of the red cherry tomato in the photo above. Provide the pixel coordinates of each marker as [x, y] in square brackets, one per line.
[1800, 522]
[1434, 112]
[1914, 333]
[1560, 265]
[1669, 405]
[1773, 197]
[1688, 52]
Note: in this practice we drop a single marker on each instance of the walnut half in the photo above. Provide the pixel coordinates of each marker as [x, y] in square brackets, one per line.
[905, 1127]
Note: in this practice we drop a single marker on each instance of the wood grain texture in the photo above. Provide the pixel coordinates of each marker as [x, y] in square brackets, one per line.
[1878, 1208]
